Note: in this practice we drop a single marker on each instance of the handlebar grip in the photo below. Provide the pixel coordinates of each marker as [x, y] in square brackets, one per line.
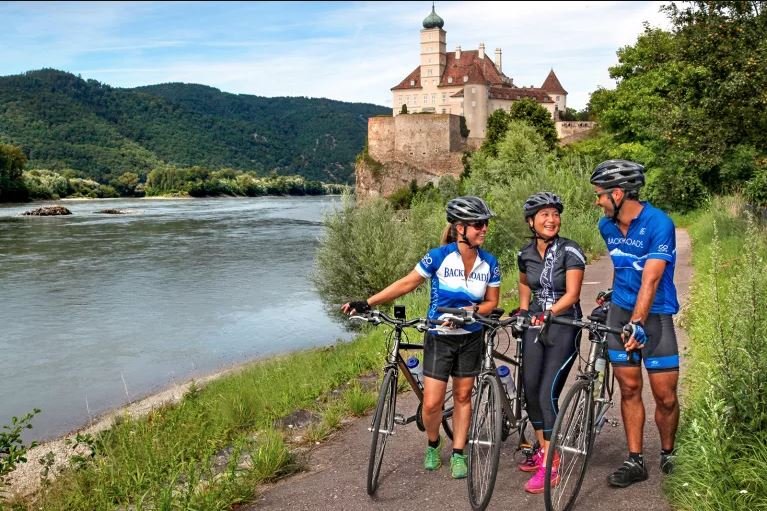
[455, 311]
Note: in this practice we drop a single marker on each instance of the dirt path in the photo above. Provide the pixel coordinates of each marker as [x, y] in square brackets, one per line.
[337, 469]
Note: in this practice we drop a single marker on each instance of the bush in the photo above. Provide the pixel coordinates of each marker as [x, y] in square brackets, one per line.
[368, 247]
[722, 440]
[755, 191]
[675, 189]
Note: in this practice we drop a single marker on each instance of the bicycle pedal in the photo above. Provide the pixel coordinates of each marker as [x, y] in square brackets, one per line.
[400, 419]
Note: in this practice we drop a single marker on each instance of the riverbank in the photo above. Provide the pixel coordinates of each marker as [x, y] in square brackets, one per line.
[26, 480]
[208, 443]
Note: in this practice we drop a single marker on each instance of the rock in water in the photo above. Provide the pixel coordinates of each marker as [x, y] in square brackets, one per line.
[48, 211]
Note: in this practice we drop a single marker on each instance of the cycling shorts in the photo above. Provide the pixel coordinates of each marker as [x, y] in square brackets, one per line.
[452, 355]
[660, 353]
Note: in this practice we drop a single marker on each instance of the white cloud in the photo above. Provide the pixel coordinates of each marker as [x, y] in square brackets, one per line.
[353, 51]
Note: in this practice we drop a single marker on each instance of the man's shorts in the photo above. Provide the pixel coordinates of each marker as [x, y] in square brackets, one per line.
[452, 355]
[660, 352]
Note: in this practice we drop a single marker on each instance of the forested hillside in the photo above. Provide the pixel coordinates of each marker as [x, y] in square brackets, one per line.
[63, 121]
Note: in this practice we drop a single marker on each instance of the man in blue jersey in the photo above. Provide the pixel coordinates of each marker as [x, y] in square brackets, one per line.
[642, 245]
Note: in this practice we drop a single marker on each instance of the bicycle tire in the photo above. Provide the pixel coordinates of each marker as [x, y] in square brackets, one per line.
[572, 438]
[484, 442]
[381, 427]
[447, 418]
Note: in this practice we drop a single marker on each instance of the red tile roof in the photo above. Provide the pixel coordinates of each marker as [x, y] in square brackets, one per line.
[482, 72]
[478, 71]
[551, 84]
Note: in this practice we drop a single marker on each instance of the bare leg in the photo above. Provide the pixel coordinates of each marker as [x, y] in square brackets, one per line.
[433, 399]
[632, 406]
[462, 388]
[664, 387]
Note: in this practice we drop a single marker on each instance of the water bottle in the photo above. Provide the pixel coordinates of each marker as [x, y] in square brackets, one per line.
[599, 366]
[504, 374]
[416, 369]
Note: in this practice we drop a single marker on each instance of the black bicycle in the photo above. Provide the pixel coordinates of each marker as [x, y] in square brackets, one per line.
[582, 414]
[385, 417]
[497, 410]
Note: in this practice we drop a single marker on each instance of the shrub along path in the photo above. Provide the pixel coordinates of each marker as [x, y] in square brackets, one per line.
[337, 470]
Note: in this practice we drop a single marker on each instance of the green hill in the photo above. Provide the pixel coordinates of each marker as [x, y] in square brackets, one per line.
[62, 121]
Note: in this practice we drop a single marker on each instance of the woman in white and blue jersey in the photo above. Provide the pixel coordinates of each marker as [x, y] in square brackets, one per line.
[463, 275]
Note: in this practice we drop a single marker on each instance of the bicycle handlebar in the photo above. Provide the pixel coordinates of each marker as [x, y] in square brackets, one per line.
[377, 317]
[549, 318]
[462, 317]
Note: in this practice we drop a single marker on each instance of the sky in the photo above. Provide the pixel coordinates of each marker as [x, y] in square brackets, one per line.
[348, 51]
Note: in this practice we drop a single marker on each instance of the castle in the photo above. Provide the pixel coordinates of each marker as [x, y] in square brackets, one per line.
[457, 91]
[466, 83]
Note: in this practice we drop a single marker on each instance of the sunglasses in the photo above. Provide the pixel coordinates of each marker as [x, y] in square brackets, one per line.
[478, 225]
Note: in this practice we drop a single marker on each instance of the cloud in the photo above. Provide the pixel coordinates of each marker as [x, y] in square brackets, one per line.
[350, 51]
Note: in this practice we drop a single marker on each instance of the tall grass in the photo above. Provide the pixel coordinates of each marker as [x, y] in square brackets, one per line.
[722, 442]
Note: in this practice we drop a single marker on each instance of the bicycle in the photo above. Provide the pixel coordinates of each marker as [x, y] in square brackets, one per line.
[583, 412]
[495, 414]
[385, 416]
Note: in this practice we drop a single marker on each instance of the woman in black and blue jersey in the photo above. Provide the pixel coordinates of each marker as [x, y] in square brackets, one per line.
[461, 274]
[550, 276]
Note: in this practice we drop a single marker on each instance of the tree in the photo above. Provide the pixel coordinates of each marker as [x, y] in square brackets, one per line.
[403, 110]
[538, 117]
[12, 161]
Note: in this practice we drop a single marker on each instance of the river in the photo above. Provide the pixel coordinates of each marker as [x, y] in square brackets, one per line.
[99, 310]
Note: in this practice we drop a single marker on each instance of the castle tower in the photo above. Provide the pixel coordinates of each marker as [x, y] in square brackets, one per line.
[433, 55]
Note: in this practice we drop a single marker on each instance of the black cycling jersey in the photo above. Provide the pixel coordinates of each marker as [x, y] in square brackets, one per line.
[547, 276]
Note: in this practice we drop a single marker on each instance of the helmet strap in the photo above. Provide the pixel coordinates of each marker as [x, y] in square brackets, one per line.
[464, 239]
[616, 207]
[537, 235]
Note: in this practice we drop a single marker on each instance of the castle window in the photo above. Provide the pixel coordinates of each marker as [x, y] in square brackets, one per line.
[428, 72]
[443, 110]
[412, 83]
[444, 98]
[557, 98]
[473, 104]
[449, 79]
[473, 90]
[465, 78]
[425, 99]
[433, 99]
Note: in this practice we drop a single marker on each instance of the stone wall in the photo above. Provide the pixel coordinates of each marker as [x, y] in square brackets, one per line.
[420, 147]
[569, 128]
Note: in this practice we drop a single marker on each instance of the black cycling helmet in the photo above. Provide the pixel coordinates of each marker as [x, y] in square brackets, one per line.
[540, 200]
[618, 174]
[468, 209]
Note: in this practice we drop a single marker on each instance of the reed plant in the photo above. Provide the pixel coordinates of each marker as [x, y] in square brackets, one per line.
[722, 441]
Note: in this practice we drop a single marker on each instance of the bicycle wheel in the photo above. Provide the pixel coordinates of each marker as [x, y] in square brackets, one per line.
[382, 426]
[484, 441]
[571, 440]
[447, 415]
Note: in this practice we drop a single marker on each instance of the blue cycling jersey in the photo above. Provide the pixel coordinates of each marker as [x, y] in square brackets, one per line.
[450, 288]
[650, 236]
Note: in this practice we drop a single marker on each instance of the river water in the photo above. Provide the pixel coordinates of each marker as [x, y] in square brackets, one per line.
[98, 310]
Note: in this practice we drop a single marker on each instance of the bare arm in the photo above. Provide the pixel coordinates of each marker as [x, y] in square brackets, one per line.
[524, 292]
[651, 275]
[490, 302]
[573, 281]
[401, 287]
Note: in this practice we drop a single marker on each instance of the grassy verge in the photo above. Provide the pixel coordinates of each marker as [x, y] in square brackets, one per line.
[722, 442]
[213, 449]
